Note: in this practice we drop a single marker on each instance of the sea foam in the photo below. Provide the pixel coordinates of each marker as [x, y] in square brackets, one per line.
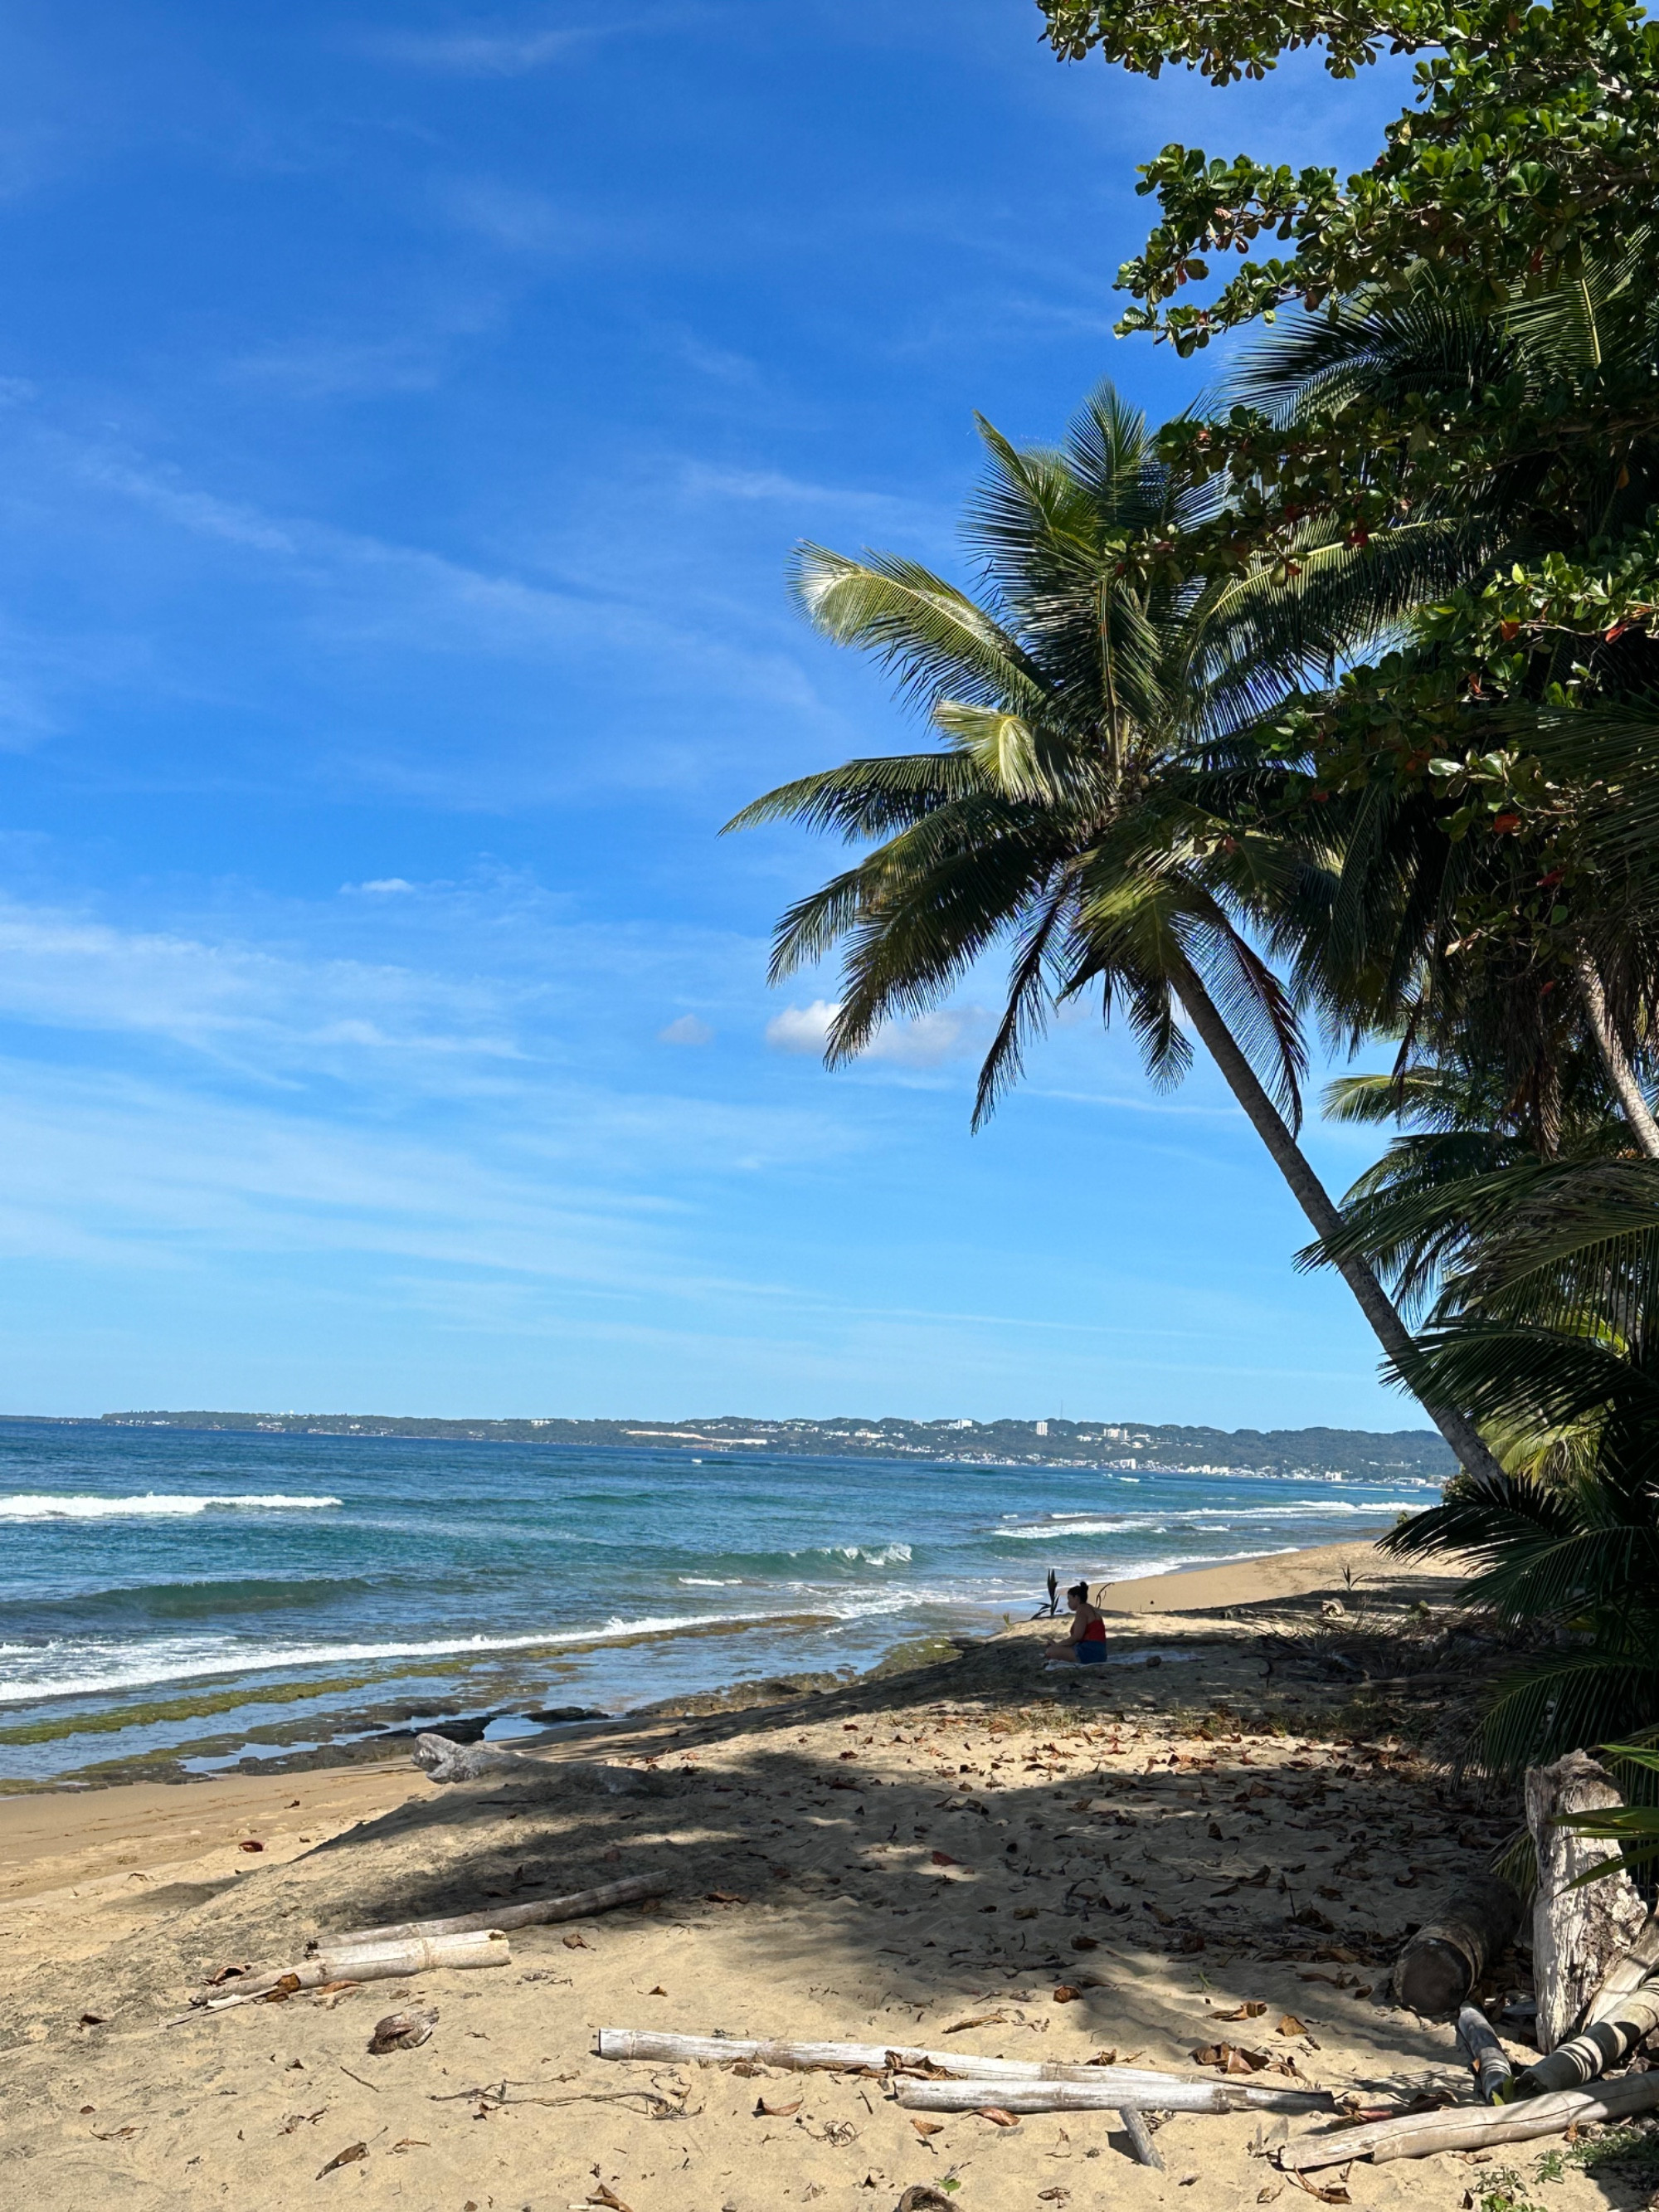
[43, 1505]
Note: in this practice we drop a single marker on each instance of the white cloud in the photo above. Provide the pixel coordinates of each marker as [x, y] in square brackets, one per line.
[687, 1030]
[802, 1028]
[382, 885]
[948, 1033]
[931, 1039]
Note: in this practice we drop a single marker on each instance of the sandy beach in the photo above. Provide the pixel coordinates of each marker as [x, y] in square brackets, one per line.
[1242, 1809]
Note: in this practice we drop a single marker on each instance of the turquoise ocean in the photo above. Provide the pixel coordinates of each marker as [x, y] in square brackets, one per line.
[176, 1599]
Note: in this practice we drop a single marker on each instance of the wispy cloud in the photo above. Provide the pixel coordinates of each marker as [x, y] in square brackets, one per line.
[688, 1029]
[503, 53]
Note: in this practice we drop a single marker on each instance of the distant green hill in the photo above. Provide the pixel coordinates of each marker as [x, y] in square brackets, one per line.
[1376, 1455]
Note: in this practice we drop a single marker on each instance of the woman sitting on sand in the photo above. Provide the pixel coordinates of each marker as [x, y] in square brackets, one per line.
[1086, 1641]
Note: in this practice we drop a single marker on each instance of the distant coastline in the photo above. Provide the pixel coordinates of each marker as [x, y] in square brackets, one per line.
[1128, 1446]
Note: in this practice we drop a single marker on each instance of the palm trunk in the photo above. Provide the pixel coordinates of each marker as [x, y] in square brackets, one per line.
[1620, 1073]
[1315, 1202]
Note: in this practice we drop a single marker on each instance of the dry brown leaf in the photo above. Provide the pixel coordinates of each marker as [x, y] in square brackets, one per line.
[944, 1858]
[1290, 2025]
[1252, 2008]
[348, 2156]
[928, 2127]
[574, 1941]
[600, 2195]
[252, 1843]
[1085, 1943]
[1335, 2192]
[975, 2020]
[723, 1897]
[402, 2031]
[997, 2117]
[1066, 1995]
[658, 1992]
[412, 2142]
[1266, 2195]
[765, 2112]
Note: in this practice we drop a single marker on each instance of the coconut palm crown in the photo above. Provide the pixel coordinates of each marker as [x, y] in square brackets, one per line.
[1082, 697]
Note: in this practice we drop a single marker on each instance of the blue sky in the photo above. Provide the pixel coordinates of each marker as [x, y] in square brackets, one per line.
[405, 412]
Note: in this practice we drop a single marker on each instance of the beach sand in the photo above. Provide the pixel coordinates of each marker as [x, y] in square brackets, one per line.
[926, 1856]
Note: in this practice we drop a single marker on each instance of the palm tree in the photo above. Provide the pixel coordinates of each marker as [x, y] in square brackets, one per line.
[1058, 816]
[1547, 1329]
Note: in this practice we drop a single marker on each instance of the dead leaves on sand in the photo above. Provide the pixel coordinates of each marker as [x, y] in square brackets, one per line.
[350, 2155]
[402, 2030]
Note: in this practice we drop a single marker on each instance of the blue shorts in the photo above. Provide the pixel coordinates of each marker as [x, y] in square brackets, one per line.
[1091, 1654]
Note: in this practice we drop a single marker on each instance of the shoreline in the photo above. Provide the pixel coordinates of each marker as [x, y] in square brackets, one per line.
[972, 1847]
[383, 1728]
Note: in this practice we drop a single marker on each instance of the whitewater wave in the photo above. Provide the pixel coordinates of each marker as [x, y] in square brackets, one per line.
[63, 1671]
[44, 1505]
[1220, 1521]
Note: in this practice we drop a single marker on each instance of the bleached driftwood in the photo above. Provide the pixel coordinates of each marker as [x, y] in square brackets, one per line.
[920, 2095]
[1491, 2062]
[445, 1761]
[534, 1912]
[1592, 2050]
[361, 1962]
[1140, 2137]
[1627, 1974]
[878, 2057]
[1474, 2127]
[1443, 1961]
[1576, 1932]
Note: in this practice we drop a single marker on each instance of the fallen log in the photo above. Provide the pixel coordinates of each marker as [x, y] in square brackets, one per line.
[1609, 2042]
[1474, 2127]
[534, 1912]
[917, 2094]
[1627, 1974]
[1578, 1931]
[1445, 1960]
[1140, 2137]
[1491, 2062]
[879, 2057]
[363, 1962]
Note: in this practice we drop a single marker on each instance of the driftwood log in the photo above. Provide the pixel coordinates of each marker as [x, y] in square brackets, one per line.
[879, 2057]
[534, 1912]
[1443, 1961]
[1608, 2042]
[917, 2094]
[1492, 2070]
[362, 1962]
[1140, 2137]
[447, 1762]
[1627, 1974]
[1577, 1933]
[1474, 2127]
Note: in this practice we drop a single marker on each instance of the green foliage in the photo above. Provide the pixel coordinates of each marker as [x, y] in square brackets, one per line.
[1532, 134]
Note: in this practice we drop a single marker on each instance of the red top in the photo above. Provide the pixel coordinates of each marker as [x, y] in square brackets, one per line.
[1094, 1631]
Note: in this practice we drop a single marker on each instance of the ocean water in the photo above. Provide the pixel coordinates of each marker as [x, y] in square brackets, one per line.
[203, 1597]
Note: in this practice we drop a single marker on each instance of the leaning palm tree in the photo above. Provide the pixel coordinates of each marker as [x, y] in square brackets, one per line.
[1059, 816]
